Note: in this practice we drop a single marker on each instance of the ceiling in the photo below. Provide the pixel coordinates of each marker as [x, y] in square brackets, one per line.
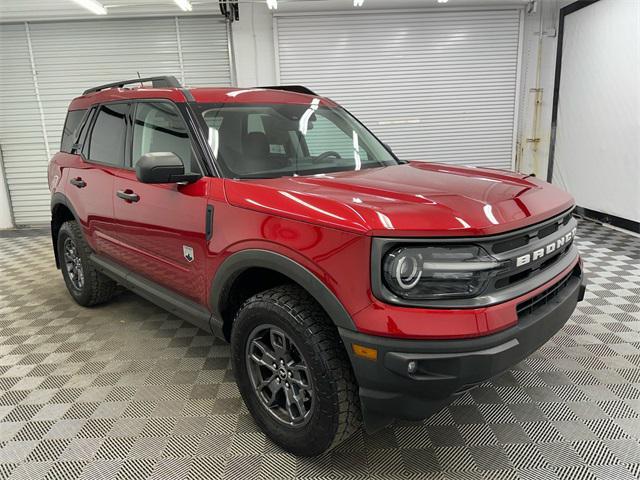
[42, 10]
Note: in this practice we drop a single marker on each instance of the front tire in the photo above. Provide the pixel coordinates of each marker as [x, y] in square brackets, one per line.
[293, 372]
[86, 285]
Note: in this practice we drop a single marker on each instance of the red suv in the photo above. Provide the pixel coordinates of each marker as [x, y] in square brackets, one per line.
[353, 286]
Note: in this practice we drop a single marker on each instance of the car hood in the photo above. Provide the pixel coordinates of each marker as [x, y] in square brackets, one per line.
[411, 199]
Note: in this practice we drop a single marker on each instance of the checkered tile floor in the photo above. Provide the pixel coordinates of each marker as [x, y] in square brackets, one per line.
[128, 391]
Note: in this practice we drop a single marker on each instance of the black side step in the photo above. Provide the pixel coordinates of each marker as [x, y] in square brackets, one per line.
[161, 296]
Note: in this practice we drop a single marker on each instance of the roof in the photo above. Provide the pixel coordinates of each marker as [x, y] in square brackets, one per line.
[255, 95]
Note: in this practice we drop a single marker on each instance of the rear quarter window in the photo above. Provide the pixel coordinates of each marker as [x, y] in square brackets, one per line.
[70, 131]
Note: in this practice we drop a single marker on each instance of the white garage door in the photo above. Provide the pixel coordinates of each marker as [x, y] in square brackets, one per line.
[436, 86]
[58, 60]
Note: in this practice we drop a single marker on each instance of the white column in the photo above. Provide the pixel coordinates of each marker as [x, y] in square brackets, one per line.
[253, 46]
[540, 38]
[6, 220]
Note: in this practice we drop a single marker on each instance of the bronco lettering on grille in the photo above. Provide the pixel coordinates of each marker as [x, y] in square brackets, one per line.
[546, 250]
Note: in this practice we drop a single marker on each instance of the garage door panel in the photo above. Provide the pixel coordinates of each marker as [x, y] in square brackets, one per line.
[437, 86]
[205, 53]
[73, 56]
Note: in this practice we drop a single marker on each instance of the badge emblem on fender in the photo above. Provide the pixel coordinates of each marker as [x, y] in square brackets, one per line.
[187, 251]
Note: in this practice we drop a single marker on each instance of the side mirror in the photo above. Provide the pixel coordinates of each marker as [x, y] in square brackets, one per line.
[163, 167]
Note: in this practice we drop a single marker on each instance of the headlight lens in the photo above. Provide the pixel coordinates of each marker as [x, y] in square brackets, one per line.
[438, 272]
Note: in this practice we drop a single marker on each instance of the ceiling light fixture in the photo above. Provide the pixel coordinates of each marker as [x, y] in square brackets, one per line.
[358, 3]
[443, 1]
[185, 5]
[93, 6]
[272, 4]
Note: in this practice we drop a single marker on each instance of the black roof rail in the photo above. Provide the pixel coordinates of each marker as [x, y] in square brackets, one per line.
[292, 88]
[167, 81]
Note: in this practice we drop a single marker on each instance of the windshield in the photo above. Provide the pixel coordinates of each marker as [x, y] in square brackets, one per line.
[265, 141]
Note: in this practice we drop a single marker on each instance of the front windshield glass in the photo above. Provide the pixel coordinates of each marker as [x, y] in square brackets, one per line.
[275, 140]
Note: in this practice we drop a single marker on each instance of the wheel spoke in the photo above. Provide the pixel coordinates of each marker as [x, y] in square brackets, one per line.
[274, 388]
[268, 358]
[297, 401]
[278, 342]
[80, 275]
[260, 362]
[299, 376]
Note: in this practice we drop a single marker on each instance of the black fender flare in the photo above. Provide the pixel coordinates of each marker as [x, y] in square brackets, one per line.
[59, 198]
[245, 259]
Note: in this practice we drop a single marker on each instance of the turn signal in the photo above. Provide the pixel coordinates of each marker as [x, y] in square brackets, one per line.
[365, 352]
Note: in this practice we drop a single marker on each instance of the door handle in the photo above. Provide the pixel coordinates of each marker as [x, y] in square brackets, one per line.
[128, 195]
[78, 182]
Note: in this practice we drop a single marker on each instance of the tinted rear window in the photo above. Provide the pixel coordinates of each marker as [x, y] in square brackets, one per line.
[108, 134]
[70, 130]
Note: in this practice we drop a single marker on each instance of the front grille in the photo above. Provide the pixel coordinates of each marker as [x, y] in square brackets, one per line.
[534, 303]
[526, 242]
[523, 239]
[529, 272]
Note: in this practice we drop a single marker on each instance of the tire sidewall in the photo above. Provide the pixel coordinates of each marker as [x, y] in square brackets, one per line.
[318, 433]
[81, 296]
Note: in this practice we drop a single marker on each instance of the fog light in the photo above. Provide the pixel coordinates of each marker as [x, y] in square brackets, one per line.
[412, 366]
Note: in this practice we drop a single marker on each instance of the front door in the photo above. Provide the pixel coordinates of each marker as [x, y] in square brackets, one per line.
[161, 227]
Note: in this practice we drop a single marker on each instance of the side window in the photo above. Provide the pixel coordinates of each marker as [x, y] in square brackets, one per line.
[159, 127]
[70, 130]
[108, 135]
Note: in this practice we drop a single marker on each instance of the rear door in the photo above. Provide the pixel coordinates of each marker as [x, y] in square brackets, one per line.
[161, 233]
[101, 149]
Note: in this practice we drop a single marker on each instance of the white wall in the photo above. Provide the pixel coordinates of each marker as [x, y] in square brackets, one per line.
[597, 151]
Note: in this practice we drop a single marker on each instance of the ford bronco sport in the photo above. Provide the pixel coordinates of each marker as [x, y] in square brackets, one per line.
[353, 286]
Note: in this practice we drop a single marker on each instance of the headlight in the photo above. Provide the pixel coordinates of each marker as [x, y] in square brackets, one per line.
[438, 272]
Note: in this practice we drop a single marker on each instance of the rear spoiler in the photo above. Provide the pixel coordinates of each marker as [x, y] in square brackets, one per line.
[292, 88]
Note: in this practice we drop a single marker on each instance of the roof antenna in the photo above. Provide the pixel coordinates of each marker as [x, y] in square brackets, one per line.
[141, 84]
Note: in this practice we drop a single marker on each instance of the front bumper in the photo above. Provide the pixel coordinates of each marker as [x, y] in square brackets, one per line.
[394, 387]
